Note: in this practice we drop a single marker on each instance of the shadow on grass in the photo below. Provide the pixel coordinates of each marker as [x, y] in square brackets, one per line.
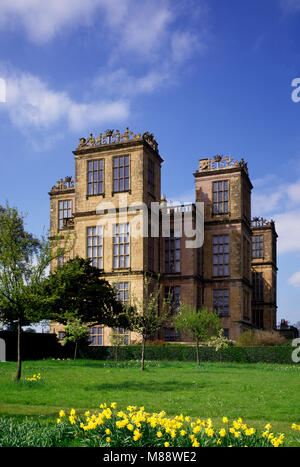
[149, 386]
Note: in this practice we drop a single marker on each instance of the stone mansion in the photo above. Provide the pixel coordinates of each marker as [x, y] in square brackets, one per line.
[234, 271]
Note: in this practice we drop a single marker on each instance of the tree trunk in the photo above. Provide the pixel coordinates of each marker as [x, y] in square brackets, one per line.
[197, 352]
[143, 355]
[18, 376]
[75, 352]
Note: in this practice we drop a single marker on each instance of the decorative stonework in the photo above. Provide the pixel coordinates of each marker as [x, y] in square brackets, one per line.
[261, 222]
[221, 162]
[64, 184]
[115, 137]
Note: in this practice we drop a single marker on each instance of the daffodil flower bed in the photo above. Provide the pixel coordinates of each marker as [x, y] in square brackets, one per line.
[34, 378]
[137, 428]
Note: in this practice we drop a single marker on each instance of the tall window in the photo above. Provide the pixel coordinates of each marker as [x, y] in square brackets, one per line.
[257, 246]
[96, 335]
[64, 212]
[95, 245]
[220, 255]
[121, 246]
[220, 197]
[173, 294]
[151, 175]
[172, 254]
[121, 173]
[95, 177]
[221, 301]
[122, 291]
[257, 286]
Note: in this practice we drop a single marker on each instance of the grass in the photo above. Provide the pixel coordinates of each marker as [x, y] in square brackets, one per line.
[259, 393]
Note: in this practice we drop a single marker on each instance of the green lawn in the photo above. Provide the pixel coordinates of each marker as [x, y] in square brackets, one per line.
[259, 393]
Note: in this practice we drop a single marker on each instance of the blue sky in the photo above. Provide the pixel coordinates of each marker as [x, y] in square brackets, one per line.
[206, 77]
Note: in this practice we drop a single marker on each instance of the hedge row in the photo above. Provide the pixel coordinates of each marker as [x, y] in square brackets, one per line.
[278, 354]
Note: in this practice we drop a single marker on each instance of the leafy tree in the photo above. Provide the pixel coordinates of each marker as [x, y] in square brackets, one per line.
[75, 330]
[148, 316]
[202, 323]
[24, 262]
[77, 289]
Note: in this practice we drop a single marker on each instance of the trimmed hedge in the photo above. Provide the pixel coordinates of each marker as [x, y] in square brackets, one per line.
[173, 352]
[36, 346]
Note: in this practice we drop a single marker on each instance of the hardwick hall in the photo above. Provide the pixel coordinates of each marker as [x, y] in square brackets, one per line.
[233, 272]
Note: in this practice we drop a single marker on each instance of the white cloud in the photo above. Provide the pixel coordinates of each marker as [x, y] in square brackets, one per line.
[290, 6]
[293, 192]
[265, 202]
[184, 44]
[120, 81]
[144, 37]
[295, 279]
[31, 103]
[43, 20]
[288, 228]
[280, 201]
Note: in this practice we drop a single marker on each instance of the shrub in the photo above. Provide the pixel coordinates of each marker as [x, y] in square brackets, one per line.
[259, 337]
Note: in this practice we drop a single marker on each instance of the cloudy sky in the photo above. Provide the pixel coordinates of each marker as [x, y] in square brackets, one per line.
[206, 77]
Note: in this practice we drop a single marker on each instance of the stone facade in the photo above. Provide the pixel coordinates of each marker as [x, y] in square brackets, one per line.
[117, 181]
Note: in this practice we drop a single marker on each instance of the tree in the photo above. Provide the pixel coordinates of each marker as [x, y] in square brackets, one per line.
[76, 289]
[202, 323]
[24, 262]
[148, 316]
[75, 330]
[220, 342]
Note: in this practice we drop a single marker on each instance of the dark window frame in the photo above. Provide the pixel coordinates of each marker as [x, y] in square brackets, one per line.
[121, 177]
[95, 177]
[220, 254]
[221, 301]
[65, 209]
[122, 291]
[220, 197]
[92, 243]
[95, 337]
[122, 334]
[121, 244]
[257, 246]
[172, 250]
